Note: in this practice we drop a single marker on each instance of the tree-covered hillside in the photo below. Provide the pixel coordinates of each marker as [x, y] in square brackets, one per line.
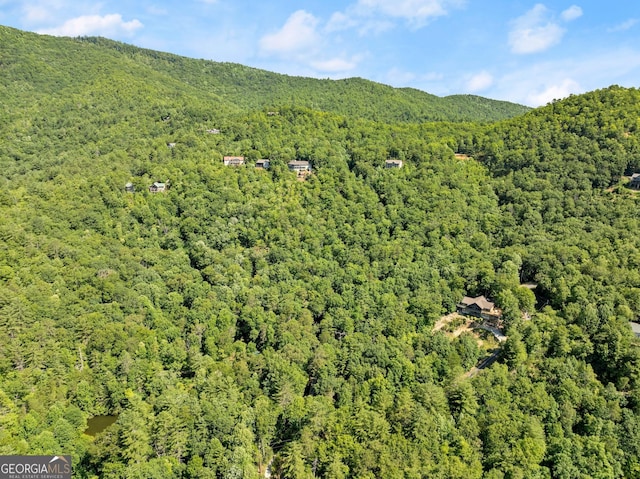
[60, 61]
[248, 320]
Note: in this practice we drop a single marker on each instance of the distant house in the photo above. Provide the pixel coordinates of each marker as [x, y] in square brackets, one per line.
[299, 165]
[635, 181]
[263, 164]
[213, 131]
[171, 145]
[157, 187]
[461, 156]
[635, 327]
[233, 160]
[129, 188]
[393, 163]
[480, 307]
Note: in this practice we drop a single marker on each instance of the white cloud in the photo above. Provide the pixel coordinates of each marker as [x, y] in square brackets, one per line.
[376, 16]
[297, 34]
[479, 82]
[334, 65]
[354, 19]
[624, 26]
[534, 31]
[107, 25]
[307, 49]
[571, 13]
[554, 91]
[340, 21]
[538, 83]
[410, 9]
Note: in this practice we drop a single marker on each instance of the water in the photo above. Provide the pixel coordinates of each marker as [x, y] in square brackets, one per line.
[98, 424]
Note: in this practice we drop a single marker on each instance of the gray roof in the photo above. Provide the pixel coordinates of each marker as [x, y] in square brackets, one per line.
[479, 301]
[635, 327]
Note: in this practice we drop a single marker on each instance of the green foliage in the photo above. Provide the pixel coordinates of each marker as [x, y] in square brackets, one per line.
[245, 320]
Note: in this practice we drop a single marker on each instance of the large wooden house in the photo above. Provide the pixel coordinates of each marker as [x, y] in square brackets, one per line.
[481, 307]
[233, 160]
[299, 166]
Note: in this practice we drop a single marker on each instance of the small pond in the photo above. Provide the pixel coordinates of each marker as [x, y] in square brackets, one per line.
[98, 424]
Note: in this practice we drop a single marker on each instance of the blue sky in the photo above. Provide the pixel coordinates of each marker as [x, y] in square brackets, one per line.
[521, 51]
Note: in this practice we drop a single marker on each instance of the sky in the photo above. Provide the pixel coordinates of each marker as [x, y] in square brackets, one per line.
[520, 51]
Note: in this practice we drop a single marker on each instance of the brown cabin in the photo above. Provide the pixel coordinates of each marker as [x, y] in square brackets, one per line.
[480, 307]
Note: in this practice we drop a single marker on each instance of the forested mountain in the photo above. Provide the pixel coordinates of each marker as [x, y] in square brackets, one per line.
[251, 88]
[59, 62]
[248, 319]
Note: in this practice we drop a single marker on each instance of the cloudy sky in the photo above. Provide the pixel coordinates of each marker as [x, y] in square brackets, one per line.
[521, 51]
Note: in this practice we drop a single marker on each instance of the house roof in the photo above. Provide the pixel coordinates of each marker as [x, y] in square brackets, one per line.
[298, 162]
[479, 301]
[635, 327]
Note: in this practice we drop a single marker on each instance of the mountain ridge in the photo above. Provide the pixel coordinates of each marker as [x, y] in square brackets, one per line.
[248, 88]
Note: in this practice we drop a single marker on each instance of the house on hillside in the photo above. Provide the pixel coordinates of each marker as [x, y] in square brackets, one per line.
[635, 327]
[635, 181]
[393, 163]
[481, 307]
[129, 188]
[263, 164]
[299, 165]
[233, 160]
[157, 187]
[302, 168]
[213, 131]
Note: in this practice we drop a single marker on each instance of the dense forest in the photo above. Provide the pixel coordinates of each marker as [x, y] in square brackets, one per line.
[248, 322]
